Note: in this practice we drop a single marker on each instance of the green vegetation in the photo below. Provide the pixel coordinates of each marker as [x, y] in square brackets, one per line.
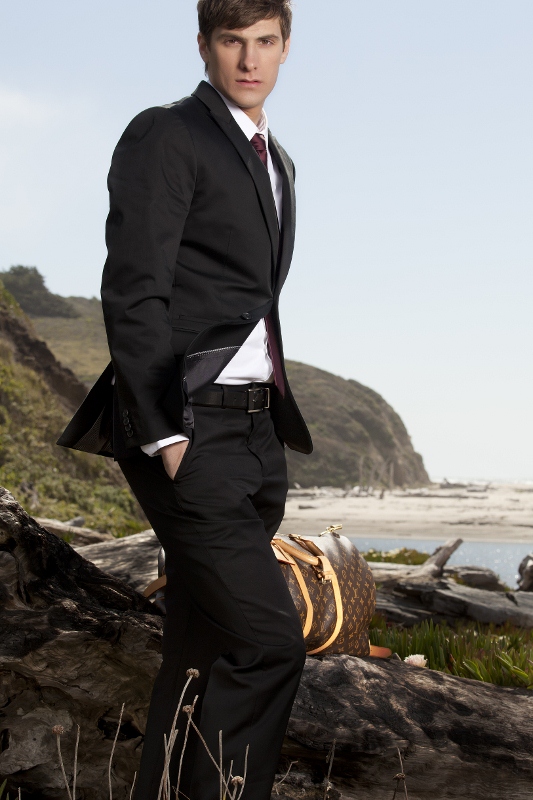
[81, 343]
[400, 555]
[500, 655]
[26, 284]
[48, 480]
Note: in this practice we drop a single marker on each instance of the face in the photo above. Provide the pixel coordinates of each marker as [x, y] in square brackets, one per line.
[244, 64]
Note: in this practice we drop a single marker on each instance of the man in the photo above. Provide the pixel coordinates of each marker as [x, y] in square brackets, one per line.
[200, 237]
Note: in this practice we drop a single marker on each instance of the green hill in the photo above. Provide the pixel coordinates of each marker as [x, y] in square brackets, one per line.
[37, 398]
[358, 437]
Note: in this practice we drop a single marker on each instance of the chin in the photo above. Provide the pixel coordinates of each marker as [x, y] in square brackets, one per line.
[251, 97]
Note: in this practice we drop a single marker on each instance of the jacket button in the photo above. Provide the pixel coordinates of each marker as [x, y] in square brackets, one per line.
[128, 426]
[246, 315]
[125, 414]
[129, 433]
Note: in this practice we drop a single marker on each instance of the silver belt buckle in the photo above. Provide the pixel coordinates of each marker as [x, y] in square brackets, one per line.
[252, 396]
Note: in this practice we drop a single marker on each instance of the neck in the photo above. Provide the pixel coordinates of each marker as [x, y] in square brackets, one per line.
[255, 114]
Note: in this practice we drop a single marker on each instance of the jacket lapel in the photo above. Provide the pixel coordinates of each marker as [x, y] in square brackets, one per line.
[288, 224]
[224, 119]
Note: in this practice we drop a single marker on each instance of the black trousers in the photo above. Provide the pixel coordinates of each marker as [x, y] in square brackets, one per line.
[229, 612]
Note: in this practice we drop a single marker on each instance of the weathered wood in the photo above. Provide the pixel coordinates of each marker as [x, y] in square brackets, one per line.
[443, 600]
[459, 738]
[72, 533]
[75, 643]
[389, 574]
[132, 559]
[478, 577]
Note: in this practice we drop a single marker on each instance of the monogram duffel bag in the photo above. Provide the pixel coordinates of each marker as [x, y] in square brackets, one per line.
[332, 588]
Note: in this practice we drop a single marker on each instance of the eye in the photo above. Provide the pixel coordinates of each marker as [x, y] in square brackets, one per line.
[231, 41]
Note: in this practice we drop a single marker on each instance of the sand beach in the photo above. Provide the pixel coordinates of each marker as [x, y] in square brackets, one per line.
[492, 512]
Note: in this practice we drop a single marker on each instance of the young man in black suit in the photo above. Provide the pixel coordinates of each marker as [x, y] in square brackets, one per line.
[200, 236]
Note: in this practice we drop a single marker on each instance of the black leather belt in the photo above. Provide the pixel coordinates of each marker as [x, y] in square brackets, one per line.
[251, 398]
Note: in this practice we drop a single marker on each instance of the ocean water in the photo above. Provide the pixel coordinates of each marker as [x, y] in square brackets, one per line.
[502, 558]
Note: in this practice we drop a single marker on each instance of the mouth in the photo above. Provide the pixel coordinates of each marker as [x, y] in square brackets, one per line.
[245, 82]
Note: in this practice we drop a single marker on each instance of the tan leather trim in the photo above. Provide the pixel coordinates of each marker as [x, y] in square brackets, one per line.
[305, 593]
[295, 553]
[307, 543]
[283, 558]
[379, 652]
[155, 585]
[338, 604]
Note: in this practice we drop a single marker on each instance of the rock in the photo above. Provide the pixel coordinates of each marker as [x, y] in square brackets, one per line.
[133, 559]
[73, 533]
[525, 570]
[75, 643]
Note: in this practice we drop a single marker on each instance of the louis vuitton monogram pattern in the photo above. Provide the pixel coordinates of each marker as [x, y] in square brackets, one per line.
[358, 593]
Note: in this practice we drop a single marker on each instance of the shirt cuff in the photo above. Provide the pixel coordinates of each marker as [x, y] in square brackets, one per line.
[154, 448]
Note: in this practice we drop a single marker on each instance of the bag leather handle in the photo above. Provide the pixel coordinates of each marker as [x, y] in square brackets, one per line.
[155, 585]
[338, 605]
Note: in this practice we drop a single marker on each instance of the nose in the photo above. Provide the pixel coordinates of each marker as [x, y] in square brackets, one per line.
[248, 58]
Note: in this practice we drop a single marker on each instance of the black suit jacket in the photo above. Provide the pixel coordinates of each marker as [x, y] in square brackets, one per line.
[195, 260]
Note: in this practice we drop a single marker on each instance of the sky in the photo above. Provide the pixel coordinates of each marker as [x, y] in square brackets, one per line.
[410, 123]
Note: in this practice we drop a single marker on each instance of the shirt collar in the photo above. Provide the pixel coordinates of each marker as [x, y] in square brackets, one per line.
[248, 127]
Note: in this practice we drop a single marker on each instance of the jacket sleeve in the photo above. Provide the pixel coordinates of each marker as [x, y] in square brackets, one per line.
[151, 185]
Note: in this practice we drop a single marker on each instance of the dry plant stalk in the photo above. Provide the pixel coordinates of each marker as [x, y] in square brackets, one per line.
[75, 763]
[329, 760]
[400, 777]
[59, 730]
[133, 785]
[225, 792]
[113, 753]
[164, 786]
[230, 788]
[278, 784]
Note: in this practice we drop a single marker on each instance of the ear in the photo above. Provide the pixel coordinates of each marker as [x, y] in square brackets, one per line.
[203, 47]
[286, 49]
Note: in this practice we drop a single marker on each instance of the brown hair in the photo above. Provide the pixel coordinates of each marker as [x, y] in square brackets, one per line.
[236, 14]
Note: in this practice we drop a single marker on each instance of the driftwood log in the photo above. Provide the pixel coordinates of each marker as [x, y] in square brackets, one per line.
[133, 559]
[76, 643]
[388, 575]
[406, 594]
[458, 738]
[73, 533]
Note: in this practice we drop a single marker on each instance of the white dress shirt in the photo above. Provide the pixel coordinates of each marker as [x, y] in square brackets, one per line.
[252, 361]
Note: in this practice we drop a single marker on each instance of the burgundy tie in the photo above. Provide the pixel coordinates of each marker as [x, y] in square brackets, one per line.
[260, 147]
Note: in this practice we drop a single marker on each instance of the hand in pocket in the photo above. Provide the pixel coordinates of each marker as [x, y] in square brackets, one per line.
[172, 456]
